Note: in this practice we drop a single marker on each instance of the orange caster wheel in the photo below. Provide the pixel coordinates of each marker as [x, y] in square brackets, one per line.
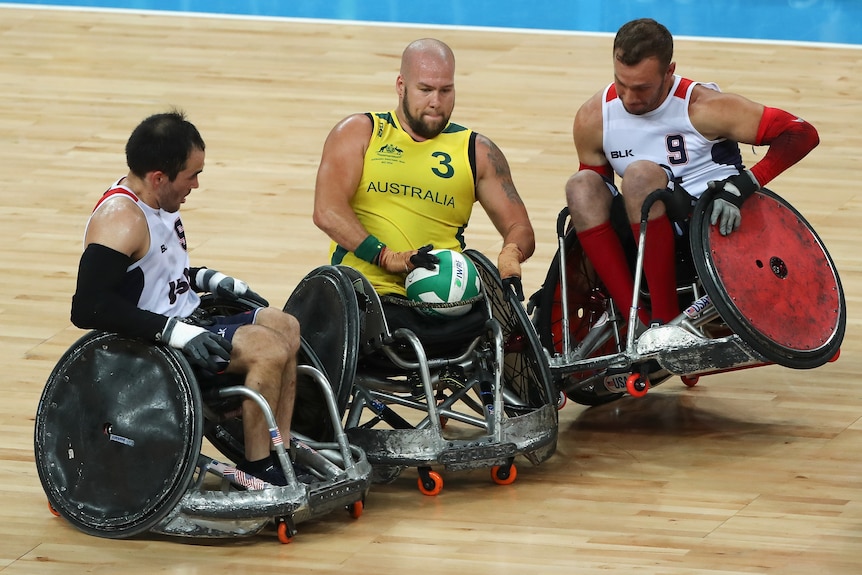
[689, 381]
[356, 509]
[430, 482]
[53, 511]
[637, 385]
[285, 531]
[504, 474]
[835, 357]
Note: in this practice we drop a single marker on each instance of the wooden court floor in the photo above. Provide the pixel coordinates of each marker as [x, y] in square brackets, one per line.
[755, 471]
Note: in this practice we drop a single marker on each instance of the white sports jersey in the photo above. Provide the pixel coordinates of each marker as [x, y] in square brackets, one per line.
[666, 136]
[158, 282]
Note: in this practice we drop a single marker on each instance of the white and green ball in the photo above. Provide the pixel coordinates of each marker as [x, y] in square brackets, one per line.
[454, 279]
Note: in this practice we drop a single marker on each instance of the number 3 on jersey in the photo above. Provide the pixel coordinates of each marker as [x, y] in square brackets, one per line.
[445, 170]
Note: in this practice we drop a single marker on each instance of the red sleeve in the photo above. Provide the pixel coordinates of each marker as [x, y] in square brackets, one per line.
[604, 171]
[789, 139]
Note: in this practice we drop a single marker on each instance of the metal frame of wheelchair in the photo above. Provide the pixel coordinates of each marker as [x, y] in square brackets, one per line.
[490, 400]
[118, 440]
[768, 293]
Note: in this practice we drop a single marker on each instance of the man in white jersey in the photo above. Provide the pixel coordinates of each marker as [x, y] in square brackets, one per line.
[657, 130]
[134, 279]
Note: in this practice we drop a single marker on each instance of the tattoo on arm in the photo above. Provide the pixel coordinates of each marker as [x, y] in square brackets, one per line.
[501, 169]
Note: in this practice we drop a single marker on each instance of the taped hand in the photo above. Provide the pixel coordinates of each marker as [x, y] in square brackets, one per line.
[405, 262]
[509, 261]
[509, 264]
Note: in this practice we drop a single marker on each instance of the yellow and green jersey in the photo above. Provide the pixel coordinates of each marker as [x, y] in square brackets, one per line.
[412, 194]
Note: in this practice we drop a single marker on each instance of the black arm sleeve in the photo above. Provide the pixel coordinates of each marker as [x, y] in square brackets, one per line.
[193, 272]
[98, 302]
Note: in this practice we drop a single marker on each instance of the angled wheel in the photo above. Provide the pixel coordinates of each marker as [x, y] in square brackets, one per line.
[326, 307]
[587, 304]
[772, 281]
[118, 431]
[223, 422]
[223, 426]
[525, 369]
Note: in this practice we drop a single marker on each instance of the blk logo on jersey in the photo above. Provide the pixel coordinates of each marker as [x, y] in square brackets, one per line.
[181, 233]
[617, 154]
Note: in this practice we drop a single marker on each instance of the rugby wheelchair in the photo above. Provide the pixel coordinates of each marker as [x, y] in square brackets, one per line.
[768, 293]
[468, 393]
[118, 440]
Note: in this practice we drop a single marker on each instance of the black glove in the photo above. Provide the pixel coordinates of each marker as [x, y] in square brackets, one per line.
[407, 261]
[513, 283]
[424, 259]
[201, 347]
[730, 193]
[225, 286]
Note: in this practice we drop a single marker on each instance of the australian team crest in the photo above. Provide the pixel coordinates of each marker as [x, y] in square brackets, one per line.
[390, 150]
[389, 154]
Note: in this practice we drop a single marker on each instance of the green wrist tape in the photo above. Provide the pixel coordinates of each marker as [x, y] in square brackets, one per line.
[369, 249]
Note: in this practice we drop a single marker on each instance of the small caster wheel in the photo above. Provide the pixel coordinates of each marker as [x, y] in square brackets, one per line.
[430, 482]
[835, 357]
[562, 399]
[690, 381]
[285, 531]
[637, 385]
[355, 509]
[504, 474]
[53, 511]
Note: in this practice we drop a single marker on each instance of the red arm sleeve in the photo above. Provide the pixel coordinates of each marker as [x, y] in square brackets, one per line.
[789, 139]
[604, 171]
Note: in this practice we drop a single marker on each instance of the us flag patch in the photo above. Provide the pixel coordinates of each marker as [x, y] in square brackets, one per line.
[181, 233]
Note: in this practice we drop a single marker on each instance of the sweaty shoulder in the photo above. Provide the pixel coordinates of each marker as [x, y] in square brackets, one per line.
[702, 93]
[117, 204]
[718, 114]
[355, 125]
[349, 139]
[587, 130]
[589, 115]
[118, 223]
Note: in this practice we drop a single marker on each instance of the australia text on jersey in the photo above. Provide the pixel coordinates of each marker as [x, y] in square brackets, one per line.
[413, 192]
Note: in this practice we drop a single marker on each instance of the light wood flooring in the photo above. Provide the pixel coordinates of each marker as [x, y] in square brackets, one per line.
[756, 472]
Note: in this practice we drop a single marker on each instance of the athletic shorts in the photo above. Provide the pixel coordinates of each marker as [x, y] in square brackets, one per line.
[226, 325]
[223, 325]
